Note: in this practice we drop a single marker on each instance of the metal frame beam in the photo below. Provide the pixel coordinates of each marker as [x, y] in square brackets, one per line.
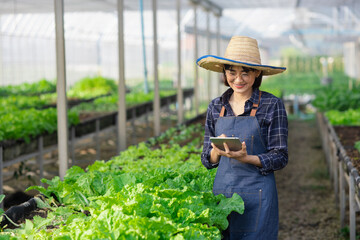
[208, 36]
[208, 6]
[196, 56]
[121, 118]
[180, 97]
[62, 131]
[157, 118]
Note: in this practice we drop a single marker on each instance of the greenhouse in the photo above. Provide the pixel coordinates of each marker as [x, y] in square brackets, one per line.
[180, 119]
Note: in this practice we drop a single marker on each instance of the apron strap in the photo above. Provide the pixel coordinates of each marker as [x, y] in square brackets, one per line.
[253, 110]
[255, 106]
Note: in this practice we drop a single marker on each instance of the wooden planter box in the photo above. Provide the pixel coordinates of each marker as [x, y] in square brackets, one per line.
[14, 149]
[344, 175]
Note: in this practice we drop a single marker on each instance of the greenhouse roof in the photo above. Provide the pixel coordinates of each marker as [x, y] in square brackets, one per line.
[316, 27]
[12, 6]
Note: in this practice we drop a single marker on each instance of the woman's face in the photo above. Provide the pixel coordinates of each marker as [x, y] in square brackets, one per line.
[239, 80]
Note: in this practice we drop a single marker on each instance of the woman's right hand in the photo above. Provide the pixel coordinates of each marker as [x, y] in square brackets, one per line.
[215, 152]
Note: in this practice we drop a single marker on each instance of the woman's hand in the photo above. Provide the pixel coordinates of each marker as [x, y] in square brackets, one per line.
[238, 155]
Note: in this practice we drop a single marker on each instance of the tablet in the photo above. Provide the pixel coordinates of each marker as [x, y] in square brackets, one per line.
[234, 143]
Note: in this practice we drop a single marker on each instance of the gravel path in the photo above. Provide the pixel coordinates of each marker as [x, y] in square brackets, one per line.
[306, 197]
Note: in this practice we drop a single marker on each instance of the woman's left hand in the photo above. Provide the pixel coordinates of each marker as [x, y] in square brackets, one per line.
[241, 155]
[238, 155]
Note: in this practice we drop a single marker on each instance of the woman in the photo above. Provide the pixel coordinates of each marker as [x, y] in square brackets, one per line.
[259, 119]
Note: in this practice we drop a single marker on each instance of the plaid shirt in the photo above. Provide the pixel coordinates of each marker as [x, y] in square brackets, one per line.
[273, 123]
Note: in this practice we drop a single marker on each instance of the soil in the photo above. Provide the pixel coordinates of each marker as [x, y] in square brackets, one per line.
[348, 135]
[307, 208]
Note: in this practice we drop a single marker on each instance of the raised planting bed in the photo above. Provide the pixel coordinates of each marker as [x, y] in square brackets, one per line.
[343, 162]
[71, 102]
[29, 89]
[348, 136]
[149, 191]
[14, 148]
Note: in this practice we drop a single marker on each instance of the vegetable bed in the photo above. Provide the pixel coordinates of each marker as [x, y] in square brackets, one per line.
[26, 114]
[156, 190]
[349, 136]
[341, 106]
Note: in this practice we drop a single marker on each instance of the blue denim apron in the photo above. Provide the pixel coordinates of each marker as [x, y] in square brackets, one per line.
[260, 218]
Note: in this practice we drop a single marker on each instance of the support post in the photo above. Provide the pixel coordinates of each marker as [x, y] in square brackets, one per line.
[40, 159]
[156, 75]
[342, 195]
[2, 75]
[133, 113]
[168, 103]
[121, 119]
[336, 172]
[180, 96]
[61, 88]
[72, 146]
[147, 129]
[97, 139]
[117, 136]
[208, 35]
[352, 207]
[196, 56]
[1, 175]
[218, 50]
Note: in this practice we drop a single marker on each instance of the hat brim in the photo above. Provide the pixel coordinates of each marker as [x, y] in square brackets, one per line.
[215, 63]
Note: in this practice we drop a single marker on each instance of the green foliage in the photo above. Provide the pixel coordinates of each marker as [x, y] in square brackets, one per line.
[92, 87]
[21, 102]
[143, 193]
[2, 196]
[177, 135]
[275, 91]
[28, 123]
[110, 103]
[292, 83]
[134, 98]
[84, 89]
[337, 98]
[302, 83]
[291, 52]
[357, 145]
[19, 119]
[42, 86]
[350, 117]
[164, 84]
[297, 61]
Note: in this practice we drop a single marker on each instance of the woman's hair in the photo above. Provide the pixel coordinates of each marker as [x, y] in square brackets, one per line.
[257, 82]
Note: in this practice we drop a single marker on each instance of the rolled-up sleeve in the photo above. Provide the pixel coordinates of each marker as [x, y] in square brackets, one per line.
[209, 132]
[276, 156]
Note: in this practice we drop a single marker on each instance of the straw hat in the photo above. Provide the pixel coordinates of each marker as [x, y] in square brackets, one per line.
[241, 51]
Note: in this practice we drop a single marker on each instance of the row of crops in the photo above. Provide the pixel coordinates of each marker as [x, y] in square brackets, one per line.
[29, 110]
[159, 189]
[156, 190]
[337, 108]
[339, 125]
[296, 63]
[43, 86]
[341, 106]
[339, 101]
[305, 83]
